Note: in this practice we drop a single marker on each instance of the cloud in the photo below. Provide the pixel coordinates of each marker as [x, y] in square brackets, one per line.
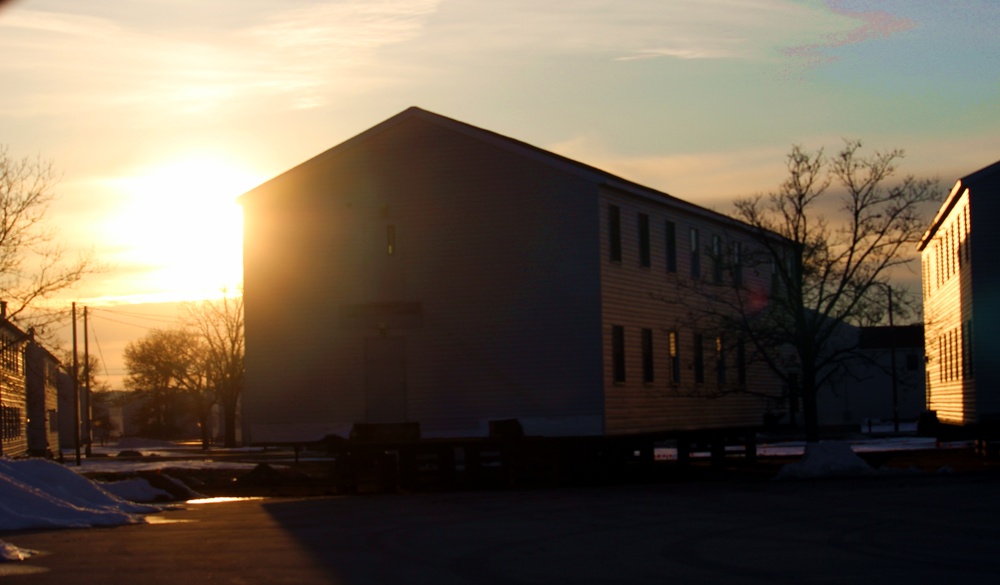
[70, 62]
[867, 25]
[623, 30]
[710, 179]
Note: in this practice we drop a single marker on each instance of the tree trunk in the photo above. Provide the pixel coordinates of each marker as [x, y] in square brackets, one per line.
[809, 409]
[229, 418]
[206, 428]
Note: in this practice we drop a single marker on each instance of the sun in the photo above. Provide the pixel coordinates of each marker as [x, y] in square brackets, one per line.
[180, 230]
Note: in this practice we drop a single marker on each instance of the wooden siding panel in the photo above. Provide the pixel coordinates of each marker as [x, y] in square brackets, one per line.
[948, 285]
[636, 297]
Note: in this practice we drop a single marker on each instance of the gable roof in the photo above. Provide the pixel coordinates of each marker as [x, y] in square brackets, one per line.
[987, 173]
[518, 147]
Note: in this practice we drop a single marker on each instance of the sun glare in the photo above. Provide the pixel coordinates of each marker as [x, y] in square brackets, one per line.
[180, 234]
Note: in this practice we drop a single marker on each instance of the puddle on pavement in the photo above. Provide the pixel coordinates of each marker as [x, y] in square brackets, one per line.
[220, 500]
[165, 520]
[17, 568]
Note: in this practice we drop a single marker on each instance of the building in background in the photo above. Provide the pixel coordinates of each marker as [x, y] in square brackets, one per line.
[877, 388]
[13, 392]
[961, 292]
[41, 379]
[432, 272]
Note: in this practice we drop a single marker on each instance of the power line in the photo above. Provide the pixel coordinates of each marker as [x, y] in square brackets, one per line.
[100, 352]
[142, 316]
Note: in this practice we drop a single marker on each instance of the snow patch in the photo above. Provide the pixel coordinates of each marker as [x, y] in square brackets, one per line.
[134, 490]
[9, 552]
[826, 459]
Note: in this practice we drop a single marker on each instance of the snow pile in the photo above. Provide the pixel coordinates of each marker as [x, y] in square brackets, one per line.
[826, 459]
[9, 552]
[36, 493]
[136, 489]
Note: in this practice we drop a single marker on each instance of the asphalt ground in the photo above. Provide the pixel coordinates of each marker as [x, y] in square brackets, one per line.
[905, 527]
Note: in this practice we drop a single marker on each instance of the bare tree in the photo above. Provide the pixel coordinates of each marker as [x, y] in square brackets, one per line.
[32, 266]
[170, 368]
[831, 237]
[219, 324]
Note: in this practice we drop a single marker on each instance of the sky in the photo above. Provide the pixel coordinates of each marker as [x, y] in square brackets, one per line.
[159, 113]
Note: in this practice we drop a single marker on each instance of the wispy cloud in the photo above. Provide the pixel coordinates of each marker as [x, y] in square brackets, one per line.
[711, 179]
[299, 53]
[624, 30]
[867, 25]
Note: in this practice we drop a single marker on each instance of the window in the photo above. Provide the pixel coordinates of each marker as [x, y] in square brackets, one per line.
[10, 355]
[647, 355]
[969, 353]
[968, 232]
[741, 362]
[615, 232]
[671, 247]
[10, 424]
[618, 352]
[737, 263]
[940, 360]
[675, 358]
[720, 362]
[644, 240]
[390, 239]
[716, 259]
[699, 359]
[695, 254]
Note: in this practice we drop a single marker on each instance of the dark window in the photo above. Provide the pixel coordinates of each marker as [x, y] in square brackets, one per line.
[912, 362]
[618, 352]
[647, 355]
[10, 422]
[10, 356]
[720, 362]
[699, 359]
[741, 362]
[716, 259]
[970, 355]
[675, 358]
[695, 254]
[615, 232]
[671, 247]
[737, 264]
[643, 240]
[940, 344]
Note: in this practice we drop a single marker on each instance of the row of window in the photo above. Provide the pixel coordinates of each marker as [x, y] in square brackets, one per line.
[673, 354]
[10, 422]
[955, 351]
[951, 250]
[716, 252]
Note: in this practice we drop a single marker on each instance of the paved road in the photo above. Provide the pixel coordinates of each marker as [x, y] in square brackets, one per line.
[927, 529]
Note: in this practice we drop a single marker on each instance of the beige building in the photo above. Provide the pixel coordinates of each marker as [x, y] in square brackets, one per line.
[961, 292]
[433, 272]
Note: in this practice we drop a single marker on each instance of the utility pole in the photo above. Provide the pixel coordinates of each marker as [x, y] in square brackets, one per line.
[892, 364]
[76, 393]
[88, 435]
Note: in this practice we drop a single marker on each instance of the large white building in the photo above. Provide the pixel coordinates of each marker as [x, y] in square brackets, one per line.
[961, 291]
[433, 272]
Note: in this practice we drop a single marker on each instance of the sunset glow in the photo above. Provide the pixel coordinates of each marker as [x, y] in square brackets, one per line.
[179, 229]
[157, 115]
